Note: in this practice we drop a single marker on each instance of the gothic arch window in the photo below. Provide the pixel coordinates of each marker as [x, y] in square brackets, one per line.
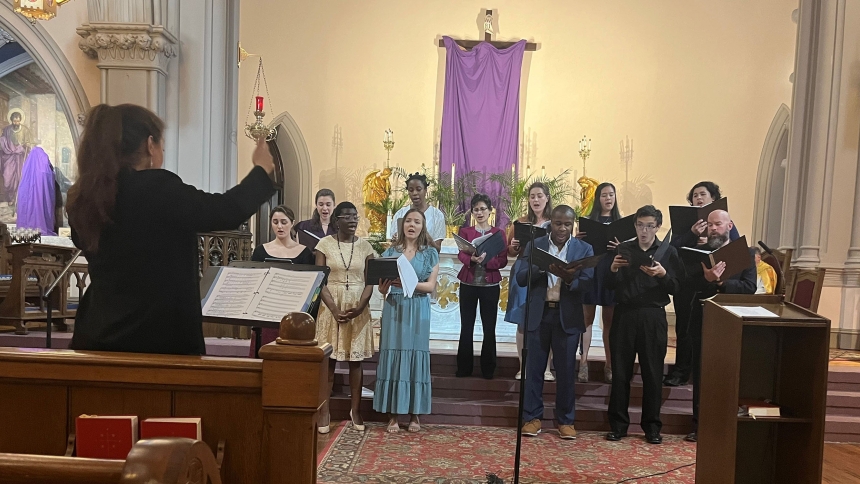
[770, 181]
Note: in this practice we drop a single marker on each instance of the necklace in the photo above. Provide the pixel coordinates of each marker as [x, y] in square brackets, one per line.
[351, 250]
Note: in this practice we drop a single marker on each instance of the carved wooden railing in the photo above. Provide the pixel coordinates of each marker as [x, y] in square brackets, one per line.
[167, 461]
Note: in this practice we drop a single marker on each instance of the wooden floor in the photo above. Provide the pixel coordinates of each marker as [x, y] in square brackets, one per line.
[841, 461]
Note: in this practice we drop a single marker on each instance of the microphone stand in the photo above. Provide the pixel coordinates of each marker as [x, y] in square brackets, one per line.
[47, 295]
[522, 395]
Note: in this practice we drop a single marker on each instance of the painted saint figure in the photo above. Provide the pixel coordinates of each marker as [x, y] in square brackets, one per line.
[15, 145]
[37, 197]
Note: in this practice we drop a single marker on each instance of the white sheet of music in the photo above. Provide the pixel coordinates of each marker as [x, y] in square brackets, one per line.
[260, 294]
[750, 311]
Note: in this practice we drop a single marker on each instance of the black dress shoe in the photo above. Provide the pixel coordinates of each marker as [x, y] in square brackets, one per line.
[614, 436]
[654, 438]
[692, 437]
[674, 381]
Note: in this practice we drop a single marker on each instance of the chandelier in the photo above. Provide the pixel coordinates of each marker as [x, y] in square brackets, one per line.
[38, 9]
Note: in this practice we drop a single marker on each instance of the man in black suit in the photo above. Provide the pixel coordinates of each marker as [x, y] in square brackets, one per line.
[706, 283]
[555, 320]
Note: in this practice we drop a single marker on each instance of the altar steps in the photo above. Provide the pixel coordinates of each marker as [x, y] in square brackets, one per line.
[842, 423]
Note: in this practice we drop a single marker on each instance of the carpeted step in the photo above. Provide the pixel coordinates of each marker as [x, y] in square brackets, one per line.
[503, 413]
[841, 428]
[843, 403]
[843, 378]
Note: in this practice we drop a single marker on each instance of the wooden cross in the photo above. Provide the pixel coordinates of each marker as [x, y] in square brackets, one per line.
[488, 38]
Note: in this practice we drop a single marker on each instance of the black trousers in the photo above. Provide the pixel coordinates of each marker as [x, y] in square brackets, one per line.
[469, 298]
[684, 345]
[643, 332]
[696, 316]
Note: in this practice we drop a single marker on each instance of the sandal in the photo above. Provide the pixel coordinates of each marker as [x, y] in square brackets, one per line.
[414, 425]
[393, 426]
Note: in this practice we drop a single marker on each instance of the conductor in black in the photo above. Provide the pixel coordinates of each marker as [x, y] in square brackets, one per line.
[644, 274]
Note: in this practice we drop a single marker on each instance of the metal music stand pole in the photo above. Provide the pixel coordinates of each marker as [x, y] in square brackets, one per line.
[47, 295]
[528, 288]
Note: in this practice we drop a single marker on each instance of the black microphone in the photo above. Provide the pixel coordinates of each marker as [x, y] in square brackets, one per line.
[765, 247]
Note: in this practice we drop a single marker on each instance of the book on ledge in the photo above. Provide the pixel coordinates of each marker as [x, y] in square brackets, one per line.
[736, 255]
[261, 293]
[189, 428]
[758, 409]
[523, 231]
[544, 259]
[682, 217]
[598, 235]
[490, 244]
[105, 437]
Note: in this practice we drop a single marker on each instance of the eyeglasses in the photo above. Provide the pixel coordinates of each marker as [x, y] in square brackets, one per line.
[349, 218]
[479, 209]
[644, 227]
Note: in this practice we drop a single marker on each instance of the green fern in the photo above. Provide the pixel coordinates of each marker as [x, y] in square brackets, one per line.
[515, 192]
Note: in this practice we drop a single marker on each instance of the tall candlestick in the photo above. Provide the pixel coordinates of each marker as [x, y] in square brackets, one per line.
[259, 103]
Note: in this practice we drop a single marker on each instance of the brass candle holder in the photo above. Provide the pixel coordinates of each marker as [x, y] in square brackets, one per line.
[388, 144]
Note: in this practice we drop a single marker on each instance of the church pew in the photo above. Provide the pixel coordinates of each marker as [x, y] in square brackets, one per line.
[265, 410]
[166, 461]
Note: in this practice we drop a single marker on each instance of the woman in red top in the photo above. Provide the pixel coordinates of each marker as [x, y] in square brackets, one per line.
[479, 281]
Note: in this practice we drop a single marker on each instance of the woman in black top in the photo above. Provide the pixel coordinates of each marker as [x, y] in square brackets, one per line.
[284, 246]
[137, 226]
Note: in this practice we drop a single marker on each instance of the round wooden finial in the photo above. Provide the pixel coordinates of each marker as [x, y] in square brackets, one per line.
[297, 329]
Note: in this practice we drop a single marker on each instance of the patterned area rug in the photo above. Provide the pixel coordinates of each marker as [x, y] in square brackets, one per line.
[445, 454]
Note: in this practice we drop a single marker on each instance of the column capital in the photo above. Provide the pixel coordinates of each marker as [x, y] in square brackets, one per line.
[128, 45]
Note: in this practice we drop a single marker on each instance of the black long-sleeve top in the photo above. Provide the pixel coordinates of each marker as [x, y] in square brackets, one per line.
[144, 294]
[743, 282]
[636, 289]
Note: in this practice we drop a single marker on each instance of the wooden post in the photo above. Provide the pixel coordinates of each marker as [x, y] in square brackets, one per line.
[294, 388]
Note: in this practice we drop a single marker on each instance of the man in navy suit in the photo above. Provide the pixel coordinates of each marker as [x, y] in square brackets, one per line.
[555, 320]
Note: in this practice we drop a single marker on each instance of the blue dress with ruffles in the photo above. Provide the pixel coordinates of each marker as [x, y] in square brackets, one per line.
[403, 373]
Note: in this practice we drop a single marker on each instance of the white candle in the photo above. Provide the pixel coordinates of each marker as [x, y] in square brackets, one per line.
[388, 226]
[543, 171]
[513, 172]
[452, 174]
[390, 135]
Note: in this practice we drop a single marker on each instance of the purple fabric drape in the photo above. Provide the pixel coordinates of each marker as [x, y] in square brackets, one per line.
[36, 193]
[481, 112]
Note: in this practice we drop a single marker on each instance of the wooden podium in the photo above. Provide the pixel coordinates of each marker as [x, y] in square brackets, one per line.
[781, 359]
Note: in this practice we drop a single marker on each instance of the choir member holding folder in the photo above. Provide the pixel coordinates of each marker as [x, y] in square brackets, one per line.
[137, 226]
[705, 282]
[604, 211]
[538, 213]
[480, 280]
[690, 232]
[644, 274]
[403, 373]
[310, 232]
[344, 319]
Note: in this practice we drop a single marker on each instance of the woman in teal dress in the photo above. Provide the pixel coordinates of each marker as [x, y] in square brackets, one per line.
[403, 373]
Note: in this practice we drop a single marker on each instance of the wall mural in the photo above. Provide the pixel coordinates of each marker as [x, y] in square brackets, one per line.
[37, 152]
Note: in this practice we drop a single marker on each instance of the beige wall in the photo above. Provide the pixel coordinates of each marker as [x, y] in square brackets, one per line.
[694, 84]
[62, 29]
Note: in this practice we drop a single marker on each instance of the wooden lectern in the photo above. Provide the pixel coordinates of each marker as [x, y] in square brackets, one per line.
[783, 359]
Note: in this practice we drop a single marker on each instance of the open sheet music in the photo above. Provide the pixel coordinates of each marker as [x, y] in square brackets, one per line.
[684, 216]
[736, 255]
[260, 294]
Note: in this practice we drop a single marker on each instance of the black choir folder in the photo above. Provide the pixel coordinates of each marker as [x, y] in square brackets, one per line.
[523, 231]
[544, 259]
[490, 244]
[380, 269]
[599, 235]
[736, 255]
[683, 217]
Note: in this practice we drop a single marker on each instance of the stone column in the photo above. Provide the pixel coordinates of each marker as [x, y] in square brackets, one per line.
[133, 48]
[854, 248]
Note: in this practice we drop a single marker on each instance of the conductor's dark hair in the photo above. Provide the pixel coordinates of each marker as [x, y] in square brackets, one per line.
[115, 139]
[418, 176]
[14, 115]
[564, 210]
[597, 208]
[710, 186]
[481, 197]
[343, 206]
[650, 211]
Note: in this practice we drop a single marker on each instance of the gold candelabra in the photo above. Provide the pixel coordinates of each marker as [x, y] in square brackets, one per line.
[388, 144]
[584, 151]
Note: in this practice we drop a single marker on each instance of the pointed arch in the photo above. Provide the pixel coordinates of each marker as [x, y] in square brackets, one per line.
[50, 58]
[768, 192]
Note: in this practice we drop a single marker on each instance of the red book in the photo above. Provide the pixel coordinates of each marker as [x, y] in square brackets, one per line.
[105, 437]
[190, 428]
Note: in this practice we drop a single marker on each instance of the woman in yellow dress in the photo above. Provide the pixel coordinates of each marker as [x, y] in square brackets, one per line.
[344, 318]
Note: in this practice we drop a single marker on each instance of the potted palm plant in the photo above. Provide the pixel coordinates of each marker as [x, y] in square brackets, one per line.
[515, 193]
